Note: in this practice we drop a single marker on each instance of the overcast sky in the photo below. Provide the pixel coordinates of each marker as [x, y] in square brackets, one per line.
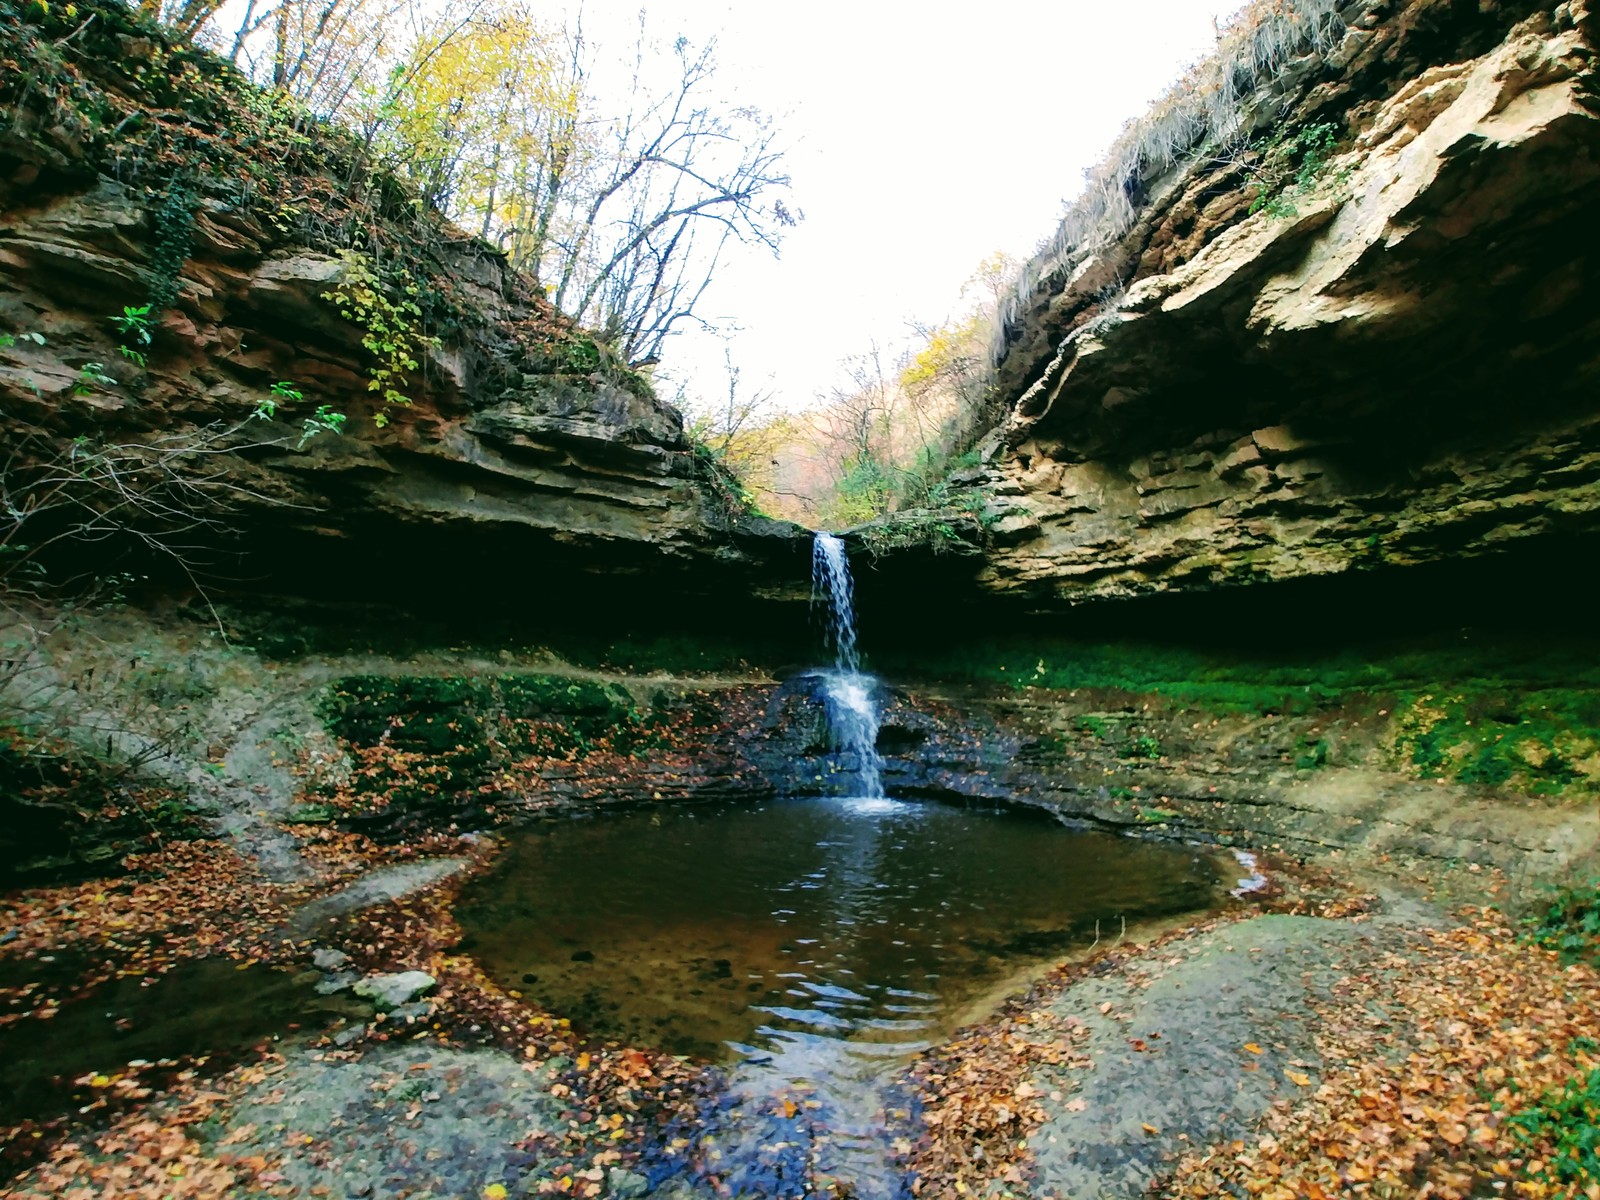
[925, 137]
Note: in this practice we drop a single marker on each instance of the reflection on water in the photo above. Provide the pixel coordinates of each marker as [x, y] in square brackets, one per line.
[813, 944]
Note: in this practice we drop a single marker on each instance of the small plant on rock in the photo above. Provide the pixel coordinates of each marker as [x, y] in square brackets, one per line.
[1290, 166]
[1144, 746]
[324, 420]
[389, 317]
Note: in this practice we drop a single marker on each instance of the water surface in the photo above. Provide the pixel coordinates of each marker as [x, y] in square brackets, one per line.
[811, 945]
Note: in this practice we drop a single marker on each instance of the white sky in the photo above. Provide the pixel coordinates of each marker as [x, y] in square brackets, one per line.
[925, 137]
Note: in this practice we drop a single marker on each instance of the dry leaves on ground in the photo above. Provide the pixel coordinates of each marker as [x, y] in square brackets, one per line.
[1429, 1053]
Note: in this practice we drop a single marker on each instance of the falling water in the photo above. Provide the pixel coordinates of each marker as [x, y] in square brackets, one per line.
[852, 714]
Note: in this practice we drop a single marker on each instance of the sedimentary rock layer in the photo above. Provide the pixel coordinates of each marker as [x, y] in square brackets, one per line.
[1396, 364]
[521, 446]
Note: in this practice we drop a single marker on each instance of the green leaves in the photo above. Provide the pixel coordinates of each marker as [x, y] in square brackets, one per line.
[1568, 1120]
[91, 378]
[134, 324]
[324, 420]
[1570, 924]
[391, 330]
[1291, 165]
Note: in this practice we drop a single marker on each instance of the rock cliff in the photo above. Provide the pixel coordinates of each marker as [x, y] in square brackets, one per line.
[1394, 362]
[134, 172]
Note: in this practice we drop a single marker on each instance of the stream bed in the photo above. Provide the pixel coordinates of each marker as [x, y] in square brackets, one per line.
[811, 947]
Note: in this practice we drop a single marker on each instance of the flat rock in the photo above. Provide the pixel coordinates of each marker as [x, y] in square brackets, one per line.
[392, 991]
[375, 887]
[1192, 1056]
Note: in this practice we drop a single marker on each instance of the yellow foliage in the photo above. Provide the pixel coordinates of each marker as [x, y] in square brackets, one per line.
[479, 113]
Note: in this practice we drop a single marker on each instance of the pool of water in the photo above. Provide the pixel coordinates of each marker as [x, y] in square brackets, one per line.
[210, 1011]
[811, 945]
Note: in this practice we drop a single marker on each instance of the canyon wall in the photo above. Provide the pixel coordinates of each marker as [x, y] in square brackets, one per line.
[1393, 361]
[136, 173]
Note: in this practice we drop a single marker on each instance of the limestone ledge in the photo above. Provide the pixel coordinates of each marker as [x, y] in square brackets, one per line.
[504, 442]
[1404, 369]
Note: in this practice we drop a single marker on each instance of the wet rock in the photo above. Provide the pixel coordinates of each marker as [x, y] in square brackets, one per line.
[328, 959]
[341, 981]
[392, 991]
[376, 887]
[346, 1037]
[417, 1010]
[626, 1184]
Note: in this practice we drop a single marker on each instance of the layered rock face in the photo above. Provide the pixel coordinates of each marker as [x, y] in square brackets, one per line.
[524, 448]
[1399, 362]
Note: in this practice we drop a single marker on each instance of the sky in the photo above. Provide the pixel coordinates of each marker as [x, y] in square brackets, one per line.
[924, 138]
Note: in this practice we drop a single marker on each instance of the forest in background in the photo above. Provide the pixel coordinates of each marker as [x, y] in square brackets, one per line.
[891, 436]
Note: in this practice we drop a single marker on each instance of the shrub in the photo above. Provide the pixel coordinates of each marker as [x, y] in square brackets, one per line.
[1570, 924]
[1567, 1121]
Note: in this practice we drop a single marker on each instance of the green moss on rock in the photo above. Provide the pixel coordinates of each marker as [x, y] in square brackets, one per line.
[421, 740]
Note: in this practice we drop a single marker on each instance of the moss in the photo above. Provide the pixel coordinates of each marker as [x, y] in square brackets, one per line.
[1313, 753]
[1539, 740]
[1516, 711]
[421, 740]
[1094, 725]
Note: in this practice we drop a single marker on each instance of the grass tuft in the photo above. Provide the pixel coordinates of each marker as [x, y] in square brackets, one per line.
[1208, 106]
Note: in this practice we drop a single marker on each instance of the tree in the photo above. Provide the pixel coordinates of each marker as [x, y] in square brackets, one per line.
[662, 191]
[738, 425]
[479, 114]
[622, 205]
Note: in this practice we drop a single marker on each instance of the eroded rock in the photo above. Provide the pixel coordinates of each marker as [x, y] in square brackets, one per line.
[1400, 369]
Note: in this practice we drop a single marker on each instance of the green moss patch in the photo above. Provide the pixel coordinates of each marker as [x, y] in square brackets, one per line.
[1514, 712]
[418, 741]
[1539, 741]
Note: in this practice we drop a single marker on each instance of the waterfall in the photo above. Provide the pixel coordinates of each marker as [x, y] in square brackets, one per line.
[852, 714]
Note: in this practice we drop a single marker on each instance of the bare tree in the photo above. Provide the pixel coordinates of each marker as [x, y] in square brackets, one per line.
[168, 497]
[679, 179]
[727, 424]
[624, 219]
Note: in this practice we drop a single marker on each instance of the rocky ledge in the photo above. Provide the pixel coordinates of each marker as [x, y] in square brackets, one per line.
[513, 438]
[1395, 363]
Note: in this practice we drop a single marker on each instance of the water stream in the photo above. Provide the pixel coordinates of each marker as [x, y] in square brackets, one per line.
[810, 945]
[852, 709]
